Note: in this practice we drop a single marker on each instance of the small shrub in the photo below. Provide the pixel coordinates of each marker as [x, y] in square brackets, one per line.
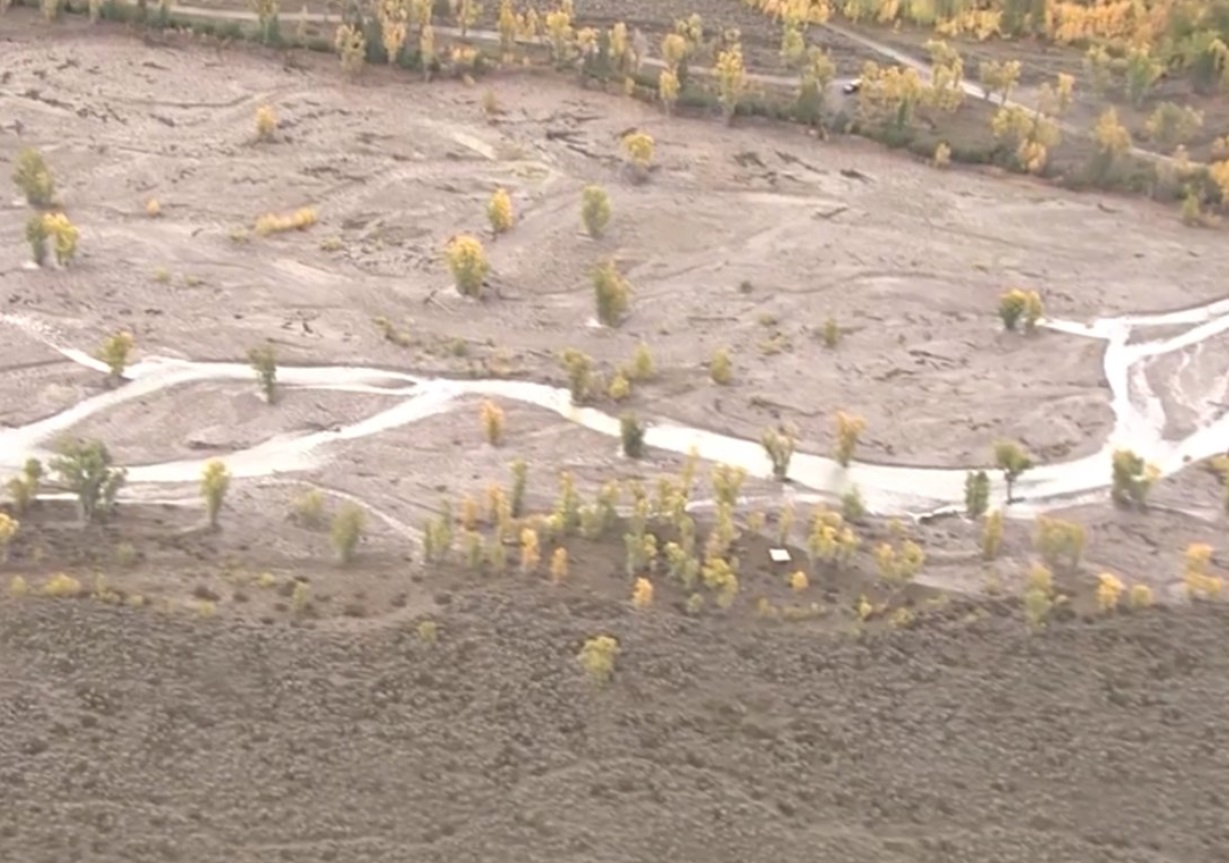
[499, 211]
[520, 481]
[1132, 479]
[428, 631]
[215, 480]
[266, 123]
[1018, 307]
[976, 494]
[594, 210]
[32, 176]
[1013, 461]
[278, 223]
[721, 368]
[18, 587]
[346, 530]
[853, 508]
[638, 148]
[597, 658]
[831, 333]
[115, 351]
[849, 428]
[263, 360]
[559, 566]
[300, 598]
[1037, 607]
[493, 423]
[779, 446]
[152, 208]
[631, 433]
[992, 535]
[1140, 596]
[579, 368]
[1040, 578]
[468, 264]
[1060, 543]
[85, 468]
[351, 47]
[798, 581]
[620, 388]
[36, 236]
[8, 529]
[642, 364]
[642, 593]
[1197, 575]
[612, 294]
[1109, 592]
[63, 586]
[63, 235]
[943, 155]
[308, 509]
[531, 551]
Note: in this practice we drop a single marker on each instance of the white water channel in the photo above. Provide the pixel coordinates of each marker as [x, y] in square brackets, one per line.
[899, 490]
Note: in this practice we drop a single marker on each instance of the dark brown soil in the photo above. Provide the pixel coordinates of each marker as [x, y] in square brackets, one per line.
[129, 735]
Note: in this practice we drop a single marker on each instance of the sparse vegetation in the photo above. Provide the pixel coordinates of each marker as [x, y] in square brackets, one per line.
[215, 481]
[579, 368]
[631, 433]
[266, 123]
[1060, 543]
[594, 210]
[779, 447]
[1132, 479]
[597, 658]
[115, 351]
[1020, 309]
[33, 177]
[263, 360]
[612, 294]
[280, 223]
[849, 428]
[468, 265]
[492, 423]
[86, 469]
[499, 211]
[976, 494]
[347, 529]
[8, 529]
[1013, 461]
[721, 368]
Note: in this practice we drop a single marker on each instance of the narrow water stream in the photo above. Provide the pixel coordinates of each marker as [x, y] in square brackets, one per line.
[1139, 422]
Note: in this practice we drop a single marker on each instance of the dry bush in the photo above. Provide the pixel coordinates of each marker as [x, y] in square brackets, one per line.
[721, 368]
[559, 566]
[347, 530]
[594, 210]
[798, 581]
[638, 150]
[579, 368]
[849, 428]
[215, 480]
[266, 123]
[499, 211]
[492, 422]
[642, 368]
[36, 236]
[263, 360]
[976, 494]
[531, 551]
[1018, 307]
[631, 434]
[1196, 573]
[33, 177]
[1132, 479]
[428, 631]
[18, 587]
[642, 593]
[63, 586]
[394, 18]
[520, 482]
[115, 351]
[731, 80]
[779, 446]
[279, 223]
[307, 510]
[1013, 461]
[612, 294]
[943, 155]
[620, 388]
[1060, 543]
[63, 235]
[1109, 592]
[597, 658]
[152, 208]
[992, 535]
[467, 263]
[899, 565]
[351, 47]
[24, 488]
[8, 530]
[1140, 596]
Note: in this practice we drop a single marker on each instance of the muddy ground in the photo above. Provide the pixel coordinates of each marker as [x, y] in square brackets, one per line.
[195, 704]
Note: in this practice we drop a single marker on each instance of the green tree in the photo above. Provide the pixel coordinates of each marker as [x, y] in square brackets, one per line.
[85, 468]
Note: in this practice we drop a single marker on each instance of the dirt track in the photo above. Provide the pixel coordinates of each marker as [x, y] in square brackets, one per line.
[131, 737]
